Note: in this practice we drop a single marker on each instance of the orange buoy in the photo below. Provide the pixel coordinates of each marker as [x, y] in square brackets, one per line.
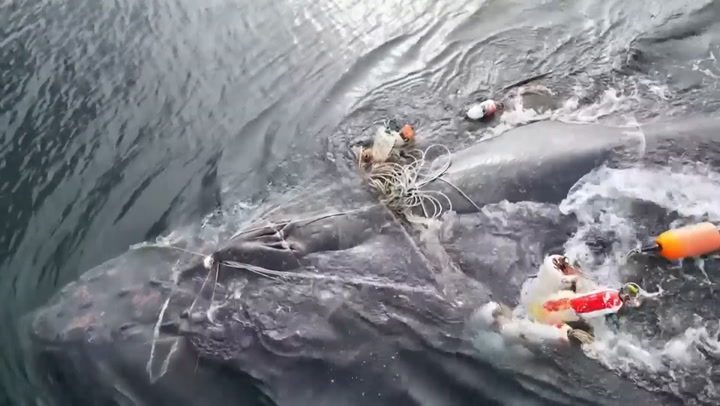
[689, 241]
[407, 132]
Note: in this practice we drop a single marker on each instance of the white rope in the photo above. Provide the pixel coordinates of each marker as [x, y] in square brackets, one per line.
[401, 185]
[306, 220]
[360, 281]
[156, 335]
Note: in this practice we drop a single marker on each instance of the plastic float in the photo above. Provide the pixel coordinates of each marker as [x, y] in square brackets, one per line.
[684, 242]
[485, 109]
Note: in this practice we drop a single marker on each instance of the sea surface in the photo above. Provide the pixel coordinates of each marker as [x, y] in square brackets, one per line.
[123, 119]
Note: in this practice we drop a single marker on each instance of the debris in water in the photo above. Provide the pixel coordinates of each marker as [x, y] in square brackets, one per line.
[388, 138]
[485, 109]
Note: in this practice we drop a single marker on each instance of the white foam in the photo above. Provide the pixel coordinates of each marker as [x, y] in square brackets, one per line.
[662, 91]
[485, 313]
[618, 103]
[600, 203]
[516, 114]
[605, 202]
[509, 338]
[676, 357]
[690, 190]
[686, 348]
[532, 332]
[625, 353]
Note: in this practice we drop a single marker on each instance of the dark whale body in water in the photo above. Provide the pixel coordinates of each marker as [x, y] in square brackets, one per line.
[370, 310]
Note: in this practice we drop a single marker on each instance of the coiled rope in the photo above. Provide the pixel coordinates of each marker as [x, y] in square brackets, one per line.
[400, 185]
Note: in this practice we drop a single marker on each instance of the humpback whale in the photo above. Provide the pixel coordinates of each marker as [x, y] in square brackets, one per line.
[328, 298]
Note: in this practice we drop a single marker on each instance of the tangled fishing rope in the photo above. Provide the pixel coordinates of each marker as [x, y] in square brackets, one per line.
[400, 185]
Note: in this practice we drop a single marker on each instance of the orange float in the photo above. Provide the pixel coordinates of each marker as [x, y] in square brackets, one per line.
[407, 132]
[689, 241]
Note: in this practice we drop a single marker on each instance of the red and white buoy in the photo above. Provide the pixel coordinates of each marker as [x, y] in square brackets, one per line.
[485, 109]
[597, 303]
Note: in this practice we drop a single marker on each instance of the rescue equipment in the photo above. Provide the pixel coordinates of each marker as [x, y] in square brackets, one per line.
[484, 109]
[383, 144]
[407, 133]
[589, 305]
[688, 241]
[501, 318]
[387, 136]
[597, 303]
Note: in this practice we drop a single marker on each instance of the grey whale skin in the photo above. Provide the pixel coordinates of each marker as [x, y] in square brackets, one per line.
[398, 332]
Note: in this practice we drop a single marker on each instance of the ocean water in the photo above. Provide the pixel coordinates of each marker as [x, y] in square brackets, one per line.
[123, 120]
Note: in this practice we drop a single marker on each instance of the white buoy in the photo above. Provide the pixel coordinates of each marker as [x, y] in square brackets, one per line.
[480, 110]
[383, 144]
[208, 262]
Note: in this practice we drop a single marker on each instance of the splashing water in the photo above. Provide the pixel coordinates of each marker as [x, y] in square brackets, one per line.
[690, 190]
[606, 202]
[614, 103]
[610, 205]
[616, 209]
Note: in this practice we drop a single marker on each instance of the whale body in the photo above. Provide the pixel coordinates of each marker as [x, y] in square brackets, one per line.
[359, 307]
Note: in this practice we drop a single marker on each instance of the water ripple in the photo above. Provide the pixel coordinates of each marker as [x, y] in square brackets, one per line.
[122, 118]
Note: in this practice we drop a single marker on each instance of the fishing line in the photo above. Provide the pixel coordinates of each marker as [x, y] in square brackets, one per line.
[461, 193]
[307, 220]
[169, 246]
[312, 276]
[156, 334]
[266, 273]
